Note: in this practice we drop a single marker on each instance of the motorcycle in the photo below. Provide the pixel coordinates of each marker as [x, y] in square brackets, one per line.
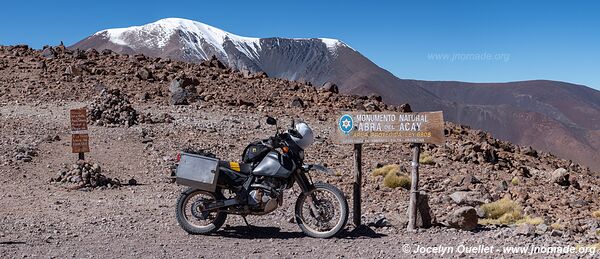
[256, 186]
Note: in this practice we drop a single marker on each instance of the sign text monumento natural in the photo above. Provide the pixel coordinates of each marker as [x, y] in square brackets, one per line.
[381, 127]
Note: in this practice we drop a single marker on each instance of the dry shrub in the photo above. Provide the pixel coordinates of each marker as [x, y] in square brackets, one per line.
[501, 212]
[531, 221]
[386, 169]
[557, 226]
[515, 181]
[426, 159]
[596, 214]
[393, 180]
[392, 176]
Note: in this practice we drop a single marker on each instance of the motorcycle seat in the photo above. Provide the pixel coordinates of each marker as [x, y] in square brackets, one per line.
[243, 168]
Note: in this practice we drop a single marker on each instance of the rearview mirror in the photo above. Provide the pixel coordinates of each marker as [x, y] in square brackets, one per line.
[271, 121]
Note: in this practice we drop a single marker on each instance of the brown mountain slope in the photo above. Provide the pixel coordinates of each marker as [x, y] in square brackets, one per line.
[548, 115]
[553, 116]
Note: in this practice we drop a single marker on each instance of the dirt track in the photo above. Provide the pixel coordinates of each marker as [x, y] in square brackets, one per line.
[39, 219]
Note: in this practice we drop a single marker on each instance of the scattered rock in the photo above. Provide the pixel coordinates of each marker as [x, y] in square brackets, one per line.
[330, 87]
[144, 74]
[182, 90]
[297, 102]
[541, 228]
[464, 218]
[467, 198]
[525, 230]
[560, 177]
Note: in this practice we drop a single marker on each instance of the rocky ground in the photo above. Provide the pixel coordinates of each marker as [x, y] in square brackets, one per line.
[136, 132]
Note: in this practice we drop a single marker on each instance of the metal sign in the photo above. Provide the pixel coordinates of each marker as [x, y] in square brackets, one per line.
[382, 127]
[80, 143]
[78, 119]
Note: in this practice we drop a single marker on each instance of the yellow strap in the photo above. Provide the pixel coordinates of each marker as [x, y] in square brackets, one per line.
[235, 166]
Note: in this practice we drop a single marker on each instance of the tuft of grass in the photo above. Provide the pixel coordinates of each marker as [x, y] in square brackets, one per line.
[497, 209]
[393, 180]
[596, 214]
[386, 169]
[531, 221]
[392, 177]
[515, 181]
[503, 212]
[557, 226]
[426, 159]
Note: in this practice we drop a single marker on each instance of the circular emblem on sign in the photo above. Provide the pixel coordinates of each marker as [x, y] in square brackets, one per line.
[346, 124]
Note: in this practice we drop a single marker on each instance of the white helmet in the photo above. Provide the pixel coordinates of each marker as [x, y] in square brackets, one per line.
[307, 135]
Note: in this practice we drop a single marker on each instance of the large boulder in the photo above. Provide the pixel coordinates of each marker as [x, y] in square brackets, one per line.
[560, 176]
[464, 218]
[467, 198]
[424, 219]
[144, 74]
[182, 90]
[330, 87]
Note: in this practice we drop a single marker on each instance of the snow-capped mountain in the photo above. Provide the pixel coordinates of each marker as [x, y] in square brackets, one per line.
[316, 60]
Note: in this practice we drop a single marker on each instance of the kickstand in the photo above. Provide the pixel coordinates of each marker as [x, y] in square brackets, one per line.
[246, 221]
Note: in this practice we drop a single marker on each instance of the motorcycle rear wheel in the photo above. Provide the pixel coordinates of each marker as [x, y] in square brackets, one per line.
[331, 205]
[191, 216]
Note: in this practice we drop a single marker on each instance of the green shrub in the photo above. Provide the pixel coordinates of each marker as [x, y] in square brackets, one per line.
[393, 180]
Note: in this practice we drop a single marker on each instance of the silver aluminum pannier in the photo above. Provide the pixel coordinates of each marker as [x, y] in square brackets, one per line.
[198, 172]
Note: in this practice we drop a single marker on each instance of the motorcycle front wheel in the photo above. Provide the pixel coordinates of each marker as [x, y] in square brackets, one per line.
[322, 212]
[192, 216]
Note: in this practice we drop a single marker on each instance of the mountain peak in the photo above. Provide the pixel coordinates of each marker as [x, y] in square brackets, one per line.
[193, 40]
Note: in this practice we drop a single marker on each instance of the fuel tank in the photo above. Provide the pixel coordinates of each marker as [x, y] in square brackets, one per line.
[275, 165]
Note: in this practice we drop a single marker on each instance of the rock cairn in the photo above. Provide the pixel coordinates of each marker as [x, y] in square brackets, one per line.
[82, 175]
[112, 108]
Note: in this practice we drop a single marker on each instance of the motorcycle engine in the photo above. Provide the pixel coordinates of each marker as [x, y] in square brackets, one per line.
[267, 194]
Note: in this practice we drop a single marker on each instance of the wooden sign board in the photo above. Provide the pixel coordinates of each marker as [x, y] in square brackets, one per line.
[80, 143]
[386, 127]
[78, 119]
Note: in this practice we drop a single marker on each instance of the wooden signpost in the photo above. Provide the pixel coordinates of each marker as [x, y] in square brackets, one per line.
[389, 127]
[80, 140]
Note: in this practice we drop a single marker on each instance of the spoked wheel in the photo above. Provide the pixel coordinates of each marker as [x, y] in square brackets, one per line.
[192, 216]
[323, 212]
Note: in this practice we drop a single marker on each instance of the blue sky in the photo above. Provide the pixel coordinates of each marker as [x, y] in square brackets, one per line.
[475, 41]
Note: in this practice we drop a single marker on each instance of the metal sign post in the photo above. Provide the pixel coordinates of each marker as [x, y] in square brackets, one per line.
[385, 127]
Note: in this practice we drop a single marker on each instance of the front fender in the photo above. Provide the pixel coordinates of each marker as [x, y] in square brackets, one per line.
[320, 168]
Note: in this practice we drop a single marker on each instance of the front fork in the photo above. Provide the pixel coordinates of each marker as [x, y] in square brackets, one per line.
[307, 187]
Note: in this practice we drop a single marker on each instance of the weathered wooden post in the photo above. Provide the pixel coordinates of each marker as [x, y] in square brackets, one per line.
[356, 194]
[414, 187]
